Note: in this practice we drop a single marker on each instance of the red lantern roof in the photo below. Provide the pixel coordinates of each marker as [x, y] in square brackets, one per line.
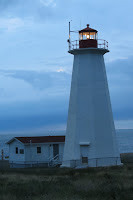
[88, 29]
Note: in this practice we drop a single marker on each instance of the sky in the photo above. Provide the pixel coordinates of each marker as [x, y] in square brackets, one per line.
[35, 67]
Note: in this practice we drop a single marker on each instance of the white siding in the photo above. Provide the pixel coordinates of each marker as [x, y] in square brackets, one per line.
[30, 152]
[12, 152]
[90, 116]
[61, 150]
[32, 155]
[46, 152]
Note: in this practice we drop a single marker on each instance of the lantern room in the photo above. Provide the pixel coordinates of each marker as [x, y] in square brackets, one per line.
[88, 37]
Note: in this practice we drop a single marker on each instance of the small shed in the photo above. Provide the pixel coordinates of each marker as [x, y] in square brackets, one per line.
[36, 151]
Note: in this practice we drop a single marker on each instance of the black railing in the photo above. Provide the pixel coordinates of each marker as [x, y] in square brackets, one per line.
[102, 44]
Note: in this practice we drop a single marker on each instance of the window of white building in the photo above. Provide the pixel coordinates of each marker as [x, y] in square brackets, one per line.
[38, 149]
[21, 151]
[16, 150]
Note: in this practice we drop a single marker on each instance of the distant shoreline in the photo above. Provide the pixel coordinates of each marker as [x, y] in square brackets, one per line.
[48, 132]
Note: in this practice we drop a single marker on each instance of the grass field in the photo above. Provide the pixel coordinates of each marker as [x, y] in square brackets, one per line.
[38, 184]
[67, 184]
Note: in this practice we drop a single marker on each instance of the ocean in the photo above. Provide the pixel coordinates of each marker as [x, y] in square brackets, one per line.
[124, 139]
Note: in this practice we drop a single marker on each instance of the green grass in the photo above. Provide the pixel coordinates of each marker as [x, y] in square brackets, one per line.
[68, 184]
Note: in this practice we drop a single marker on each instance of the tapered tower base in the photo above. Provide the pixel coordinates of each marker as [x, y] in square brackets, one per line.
[90, 135]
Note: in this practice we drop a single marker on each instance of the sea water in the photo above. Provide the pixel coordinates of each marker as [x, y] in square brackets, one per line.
[124, 140]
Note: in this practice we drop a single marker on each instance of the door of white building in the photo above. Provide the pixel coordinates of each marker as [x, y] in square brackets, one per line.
[84, 153]
[55, 150]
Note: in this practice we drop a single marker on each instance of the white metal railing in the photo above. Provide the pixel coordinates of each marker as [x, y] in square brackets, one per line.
[50, 158]
[53, 161]
[102, 44]
[56, 157]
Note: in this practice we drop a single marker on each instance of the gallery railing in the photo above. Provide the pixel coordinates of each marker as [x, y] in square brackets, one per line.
[102, 44]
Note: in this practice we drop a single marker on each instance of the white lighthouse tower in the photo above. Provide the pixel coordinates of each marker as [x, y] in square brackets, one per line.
[90, 135]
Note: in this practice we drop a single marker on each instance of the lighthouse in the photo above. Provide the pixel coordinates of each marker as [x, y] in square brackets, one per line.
[90, 134]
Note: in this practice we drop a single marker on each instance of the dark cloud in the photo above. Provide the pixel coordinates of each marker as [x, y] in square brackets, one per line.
[8, 2]
[31, 122]
[4, 4]
[36, 114]
[66, 10]
[52, 113]
[54, 110]
[29, 8]
[120, 78]
[41, 80]
[119, 73]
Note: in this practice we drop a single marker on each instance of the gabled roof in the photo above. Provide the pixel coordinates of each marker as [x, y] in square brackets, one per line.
[39, 139]
[88, 29]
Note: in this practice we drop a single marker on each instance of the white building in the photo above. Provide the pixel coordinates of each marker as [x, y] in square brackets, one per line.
[32, 151]
[90, 135]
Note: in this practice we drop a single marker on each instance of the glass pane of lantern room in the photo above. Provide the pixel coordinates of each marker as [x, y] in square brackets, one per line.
[80, 36]
[86, 35]
[92, 35]
[96, 36]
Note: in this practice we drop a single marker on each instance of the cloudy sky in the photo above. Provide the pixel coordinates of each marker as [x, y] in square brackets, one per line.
[35, 68]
